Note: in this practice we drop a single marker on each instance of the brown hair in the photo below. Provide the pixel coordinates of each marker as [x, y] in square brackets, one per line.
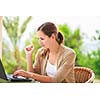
[48, 29]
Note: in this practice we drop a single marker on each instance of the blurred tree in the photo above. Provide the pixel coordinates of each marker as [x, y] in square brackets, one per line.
[92, 60]
[34, 40]
[15, 33]
[96, 63]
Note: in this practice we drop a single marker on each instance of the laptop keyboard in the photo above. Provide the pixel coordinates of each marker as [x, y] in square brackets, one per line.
[18, 78]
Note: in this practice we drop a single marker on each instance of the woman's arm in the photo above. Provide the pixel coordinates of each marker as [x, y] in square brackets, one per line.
[42, 78]
[38, 77]
[29, 50]
[29, 63]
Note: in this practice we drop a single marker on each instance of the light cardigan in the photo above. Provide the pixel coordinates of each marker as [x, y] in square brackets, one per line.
[65, 63]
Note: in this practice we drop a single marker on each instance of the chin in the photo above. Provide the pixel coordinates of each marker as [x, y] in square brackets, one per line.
[44, 47]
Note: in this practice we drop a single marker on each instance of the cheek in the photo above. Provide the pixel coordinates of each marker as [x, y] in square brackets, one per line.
[48, 43]
[45, 43]
[42, 42]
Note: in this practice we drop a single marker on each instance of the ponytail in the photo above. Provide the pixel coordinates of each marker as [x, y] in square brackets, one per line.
[59, 38]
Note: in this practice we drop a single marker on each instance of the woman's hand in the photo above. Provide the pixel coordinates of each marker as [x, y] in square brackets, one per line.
[29, 49]
[22, 73]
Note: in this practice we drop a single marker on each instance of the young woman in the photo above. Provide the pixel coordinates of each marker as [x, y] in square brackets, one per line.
[53, 62]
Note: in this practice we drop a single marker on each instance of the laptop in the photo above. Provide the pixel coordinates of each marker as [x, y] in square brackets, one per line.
[11, 78]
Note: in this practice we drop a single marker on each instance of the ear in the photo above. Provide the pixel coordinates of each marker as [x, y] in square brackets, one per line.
[53, 36]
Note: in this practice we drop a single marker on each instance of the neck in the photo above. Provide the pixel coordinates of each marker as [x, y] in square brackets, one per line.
[55, 48]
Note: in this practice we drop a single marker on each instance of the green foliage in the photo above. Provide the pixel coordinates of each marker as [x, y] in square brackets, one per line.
[35, 44]
[96, 64]
[10, 64]
[91, 60]
[15, 33]
[85, 60]
[24, 25]
[72, 39]
[11, 26]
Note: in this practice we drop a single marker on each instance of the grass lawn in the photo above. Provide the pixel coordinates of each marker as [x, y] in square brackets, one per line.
[96, 81]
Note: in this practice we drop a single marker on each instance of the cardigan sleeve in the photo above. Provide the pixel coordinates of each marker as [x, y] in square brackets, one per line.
[36, 64]
[65, 68]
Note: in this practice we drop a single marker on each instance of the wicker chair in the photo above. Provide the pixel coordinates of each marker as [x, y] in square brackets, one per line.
[83, 75]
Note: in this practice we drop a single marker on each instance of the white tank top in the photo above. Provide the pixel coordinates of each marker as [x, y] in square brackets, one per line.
[51, 69]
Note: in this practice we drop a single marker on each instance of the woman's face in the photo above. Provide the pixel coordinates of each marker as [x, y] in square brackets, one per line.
[44, 40]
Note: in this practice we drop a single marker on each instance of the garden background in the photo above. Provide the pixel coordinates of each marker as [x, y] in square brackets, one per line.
[18, 32]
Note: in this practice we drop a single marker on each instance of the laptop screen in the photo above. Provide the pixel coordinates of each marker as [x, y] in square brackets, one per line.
[2, 71]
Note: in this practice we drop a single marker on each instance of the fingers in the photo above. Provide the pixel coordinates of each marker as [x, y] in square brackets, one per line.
[18, 73]
[29, 49]
[21, 73]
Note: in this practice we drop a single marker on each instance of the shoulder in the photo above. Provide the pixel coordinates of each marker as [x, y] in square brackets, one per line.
[67, 55]
[67, 50]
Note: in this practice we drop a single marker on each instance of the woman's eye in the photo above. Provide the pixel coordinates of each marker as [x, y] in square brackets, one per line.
[41, 38]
